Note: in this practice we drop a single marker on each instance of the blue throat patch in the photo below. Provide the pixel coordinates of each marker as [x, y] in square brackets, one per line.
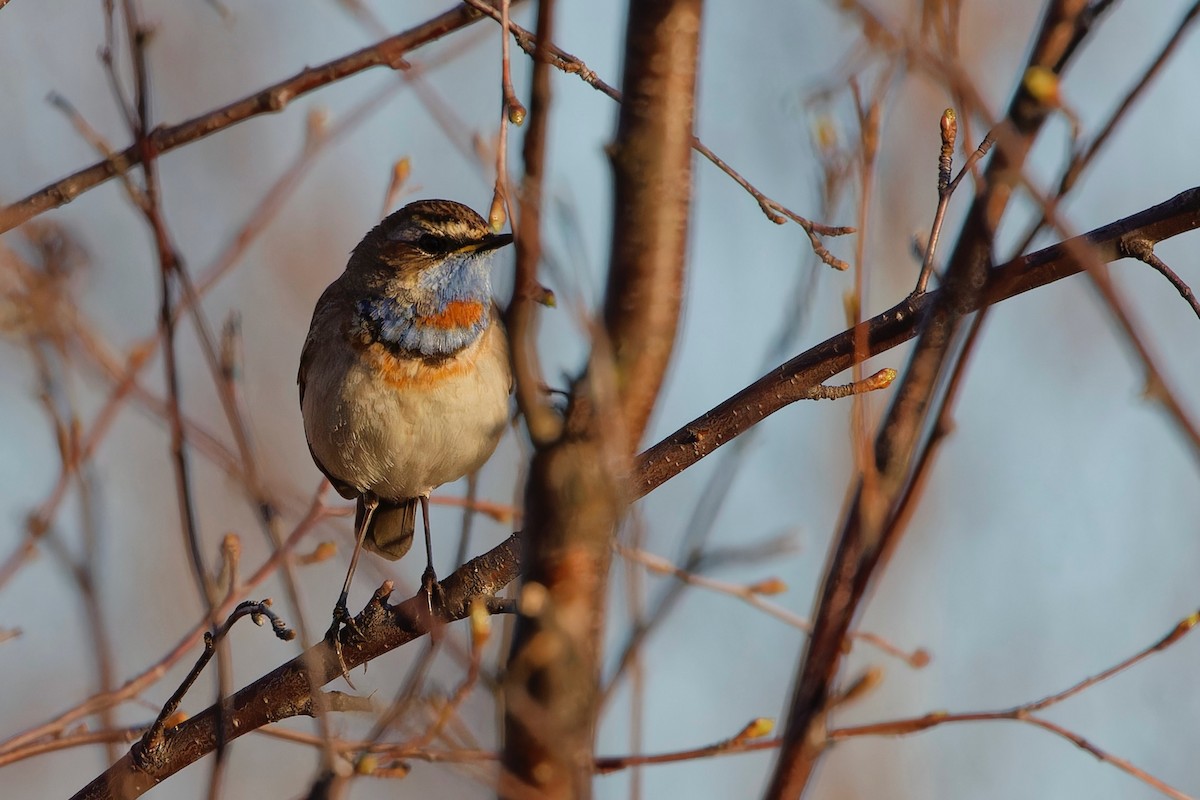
[458, 279]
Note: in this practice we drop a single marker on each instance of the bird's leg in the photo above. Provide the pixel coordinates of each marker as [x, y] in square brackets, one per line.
[341, 614]
[429, 581]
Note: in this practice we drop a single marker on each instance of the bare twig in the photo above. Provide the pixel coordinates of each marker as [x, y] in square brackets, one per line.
[749, 740]
[754, 596]
[541, 420]
[388, 52]
[146, 752]
[1144, 251]
[775, 211]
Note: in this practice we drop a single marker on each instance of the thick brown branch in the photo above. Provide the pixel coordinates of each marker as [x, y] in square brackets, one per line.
[576, 490]
[788, 382]
[652, 194]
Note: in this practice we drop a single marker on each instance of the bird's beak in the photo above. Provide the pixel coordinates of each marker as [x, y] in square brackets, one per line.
[490, 242]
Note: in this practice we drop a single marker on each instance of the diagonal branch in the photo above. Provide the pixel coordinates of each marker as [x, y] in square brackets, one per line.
[287, 691]
[386, 53]
[788, 382]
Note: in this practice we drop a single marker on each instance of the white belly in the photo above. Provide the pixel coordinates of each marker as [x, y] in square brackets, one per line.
[400, 429]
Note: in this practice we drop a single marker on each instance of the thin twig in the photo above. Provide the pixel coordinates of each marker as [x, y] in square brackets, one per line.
[387, 53]
[139, 683]
[1144, 251]
[152, 741]
[743, 743]
[774, 211]
[753, 595]
[541, 419]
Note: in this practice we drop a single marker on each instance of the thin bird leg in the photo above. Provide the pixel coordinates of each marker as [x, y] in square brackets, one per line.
[341, 614]
[429, 581]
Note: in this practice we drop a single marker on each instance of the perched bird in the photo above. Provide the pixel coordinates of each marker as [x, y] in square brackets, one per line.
[404, 377]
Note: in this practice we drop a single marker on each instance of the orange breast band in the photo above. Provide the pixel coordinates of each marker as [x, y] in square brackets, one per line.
[406, 373]
[456, 314]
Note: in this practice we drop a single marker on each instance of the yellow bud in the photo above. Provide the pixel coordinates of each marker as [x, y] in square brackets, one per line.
[826, 137]
[949, 126]
[481, 621]
[756, 729]
[769, 586]
[864, 684]
[496, 215]
[401, 170]
[883, 378]
[1042, 85]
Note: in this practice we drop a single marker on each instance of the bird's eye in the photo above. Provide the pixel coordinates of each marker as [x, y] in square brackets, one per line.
[434, 244]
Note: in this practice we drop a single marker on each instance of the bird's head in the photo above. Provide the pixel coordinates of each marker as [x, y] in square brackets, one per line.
[427, 244]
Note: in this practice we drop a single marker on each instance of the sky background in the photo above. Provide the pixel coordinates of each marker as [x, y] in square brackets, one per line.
[1058, 534]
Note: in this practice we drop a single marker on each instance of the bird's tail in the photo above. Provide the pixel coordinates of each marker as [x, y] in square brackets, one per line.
[392, 526]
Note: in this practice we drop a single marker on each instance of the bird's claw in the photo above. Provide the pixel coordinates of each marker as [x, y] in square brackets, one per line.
[342, 618]
[435, 596]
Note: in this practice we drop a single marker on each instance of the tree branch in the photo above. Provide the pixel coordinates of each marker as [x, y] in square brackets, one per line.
[287, 691]
[386, 53]
[788, 382]
[869, 527]
[577, 492]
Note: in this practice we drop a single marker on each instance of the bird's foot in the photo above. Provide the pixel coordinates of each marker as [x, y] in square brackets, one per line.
[435, 598]
[342, 618]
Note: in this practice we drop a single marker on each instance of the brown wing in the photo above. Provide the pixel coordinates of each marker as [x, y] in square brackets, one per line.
[307, 355]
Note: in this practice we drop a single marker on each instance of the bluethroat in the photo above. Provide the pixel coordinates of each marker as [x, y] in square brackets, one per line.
[404, 377]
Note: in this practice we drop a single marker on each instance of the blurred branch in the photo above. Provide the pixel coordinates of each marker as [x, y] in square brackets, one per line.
[27, 742]
[870, 526]
[754, 595]
[388, 52]
[652, 197]
[1082, 157]
[575, 492]
[541, 420]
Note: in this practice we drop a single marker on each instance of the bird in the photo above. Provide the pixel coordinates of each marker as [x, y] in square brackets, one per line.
[404, 376]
